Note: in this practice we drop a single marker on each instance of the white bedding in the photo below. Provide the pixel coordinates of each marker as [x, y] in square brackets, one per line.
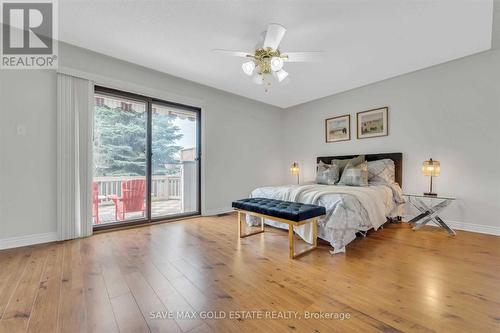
[349, 209]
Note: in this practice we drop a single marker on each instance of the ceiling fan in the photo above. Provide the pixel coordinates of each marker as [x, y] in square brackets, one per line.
[267, 60]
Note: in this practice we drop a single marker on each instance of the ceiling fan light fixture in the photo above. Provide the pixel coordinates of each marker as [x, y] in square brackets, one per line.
[281, 75]
[248, 67]
[267, 60]
[276, 63]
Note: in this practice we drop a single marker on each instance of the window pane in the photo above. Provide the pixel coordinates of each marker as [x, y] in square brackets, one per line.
[120, 136]
[174, 184]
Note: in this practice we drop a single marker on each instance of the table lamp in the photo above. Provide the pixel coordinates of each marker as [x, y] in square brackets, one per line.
[294, 170]
[433, 169]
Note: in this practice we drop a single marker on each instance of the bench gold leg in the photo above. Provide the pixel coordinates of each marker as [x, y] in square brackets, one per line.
[240, 231]
[291, 225]
[315, 232]
[239, 224]
[291, 239]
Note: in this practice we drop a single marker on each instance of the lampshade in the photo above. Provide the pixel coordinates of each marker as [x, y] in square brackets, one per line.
[294, 169]
[276, 63]
[281, 75]
[431, 168]
[248, 67]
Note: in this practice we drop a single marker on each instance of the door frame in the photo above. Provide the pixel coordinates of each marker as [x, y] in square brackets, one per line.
[149, 101]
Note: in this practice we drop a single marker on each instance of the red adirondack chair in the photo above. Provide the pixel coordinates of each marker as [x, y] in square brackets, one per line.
[131, 200]
[95, 202]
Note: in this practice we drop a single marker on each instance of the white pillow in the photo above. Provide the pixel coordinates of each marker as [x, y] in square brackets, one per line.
[355, 175]
[381, 171]
[327, 174]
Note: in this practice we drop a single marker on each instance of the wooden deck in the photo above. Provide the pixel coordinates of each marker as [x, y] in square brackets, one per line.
[159, 208]
[394, 280]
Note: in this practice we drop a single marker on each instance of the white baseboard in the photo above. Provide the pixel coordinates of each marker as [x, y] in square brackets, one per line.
[482, 229]
[217, 211]
[12, 242]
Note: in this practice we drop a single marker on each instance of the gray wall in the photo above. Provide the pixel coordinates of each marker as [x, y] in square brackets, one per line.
[496, 25]
[242, 145]
[27, 163]
[450, 112]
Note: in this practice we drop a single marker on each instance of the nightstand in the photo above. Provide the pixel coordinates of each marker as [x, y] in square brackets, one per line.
[429, 212]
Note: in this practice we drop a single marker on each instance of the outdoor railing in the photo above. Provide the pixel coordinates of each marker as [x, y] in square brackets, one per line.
[162, 187]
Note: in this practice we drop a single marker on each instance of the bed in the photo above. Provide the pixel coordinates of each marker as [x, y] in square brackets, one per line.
[349, 209]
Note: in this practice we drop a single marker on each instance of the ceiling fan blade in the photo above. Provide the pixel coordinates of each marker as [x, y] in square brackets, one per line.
[274, 35]
[233, 53]
[314, 56]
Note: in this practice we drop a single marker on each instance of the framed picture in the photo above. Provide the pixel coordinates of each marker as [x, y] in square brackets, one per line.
[373, 123]
[338, 128]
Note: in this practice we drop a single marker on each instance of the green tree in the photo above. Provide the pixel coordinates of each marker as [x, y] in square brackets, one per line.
[120, 142]
[165, 135]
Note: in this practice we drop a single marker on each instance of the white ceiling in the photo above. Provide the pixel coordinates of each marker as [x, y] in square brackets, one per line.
[365, 41]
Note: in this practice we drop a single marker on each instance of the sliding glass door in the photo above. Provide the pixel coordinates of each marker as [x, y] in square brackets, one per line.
[120, 164]
[174, 162]
[146, 159]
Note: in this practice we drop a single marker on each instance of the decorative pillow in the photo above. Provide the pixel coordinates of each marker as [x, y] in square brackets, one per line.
[327, 174]
[354, 161]
[381, 171]
[355, 175]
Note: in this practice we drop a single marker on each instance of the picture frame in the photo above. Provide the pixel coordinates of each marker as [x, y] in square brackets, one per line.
[372, 123]
[338, 128]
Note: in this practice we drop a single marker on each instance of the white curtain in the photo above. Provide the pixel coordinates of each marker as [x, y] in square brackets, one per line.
[75, 108]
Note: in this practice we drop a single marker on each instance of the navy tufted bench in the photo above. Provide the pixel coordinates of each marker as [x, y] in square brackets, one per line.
[291, 213]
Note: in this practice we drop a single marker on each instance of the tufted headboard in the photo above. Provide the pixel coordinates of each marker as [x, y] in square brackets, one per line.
[396, 157]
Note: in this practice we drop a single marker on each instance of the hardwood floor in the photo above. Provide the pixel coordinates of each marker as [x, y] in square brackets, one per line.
[394, 280]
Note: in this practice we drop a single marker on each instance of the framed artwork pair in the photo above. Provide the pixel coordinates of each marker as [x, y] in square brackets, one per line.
[369, 124]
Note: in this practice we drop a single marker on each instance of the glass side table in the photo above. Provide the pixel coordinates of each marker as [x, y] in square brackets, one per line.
[429, 212]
